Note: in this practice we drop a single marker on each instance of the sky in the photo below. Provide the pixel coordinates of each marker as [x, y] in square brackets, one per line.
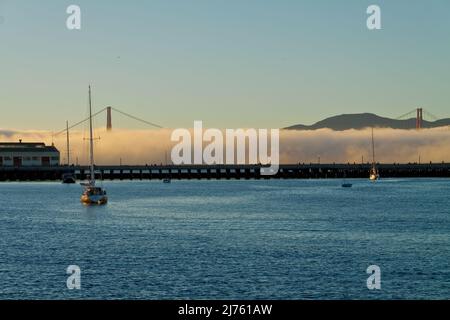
[229, 63]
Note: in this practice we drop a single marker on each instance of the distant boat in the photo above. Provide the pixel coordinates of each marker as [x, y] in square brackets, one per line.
[92, 194]
[167, 179]
[347, 185]
[68, 178]
[374, 175]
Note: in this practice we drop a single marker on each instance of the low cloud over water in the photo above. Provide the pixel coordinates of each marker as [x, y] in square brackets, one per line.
[149, 146]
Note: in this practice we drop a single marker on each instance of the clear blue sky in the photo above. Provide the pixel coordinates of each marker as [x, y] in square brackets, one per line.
[230, 63]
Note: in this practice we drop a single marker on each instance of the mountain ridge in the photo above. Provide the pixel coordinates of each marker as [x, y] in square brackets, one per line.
[360, 121]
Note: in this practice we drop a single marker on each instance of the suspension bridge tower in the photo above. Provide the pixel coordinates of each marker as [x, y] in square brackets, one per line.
[419, 118]
[108, 119]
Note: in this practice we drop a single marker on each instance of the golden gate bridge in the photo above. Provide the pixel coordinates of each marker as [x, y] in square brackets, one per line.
[419, 112]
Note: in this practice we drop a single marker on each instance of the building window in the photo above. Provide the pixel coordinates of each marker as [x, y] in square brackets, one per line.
[26, 159]
[55, 158]
[35, 158]
[7, 158]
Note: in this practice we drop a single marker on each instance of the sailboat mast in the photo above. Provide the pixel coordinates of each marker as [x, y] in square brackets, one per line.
[91, 139]
[68, 143]
[373, 149]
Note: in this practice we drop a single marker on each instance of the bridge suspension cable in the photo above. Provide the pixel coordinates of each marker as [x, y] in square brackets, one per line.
[431, 116]
[80, 122]
[410, 113]
[103, 110]
[136, 118]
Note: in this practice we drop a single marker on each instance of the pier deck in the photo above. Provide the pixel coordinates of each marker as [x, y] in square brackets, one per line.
[294, 171]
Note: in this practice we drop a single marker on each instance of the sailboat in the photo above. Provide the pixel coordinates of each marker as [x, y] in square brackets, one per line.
[68, 177]
[346, 184]
[92, 194]
[374, 175]
[167, 179]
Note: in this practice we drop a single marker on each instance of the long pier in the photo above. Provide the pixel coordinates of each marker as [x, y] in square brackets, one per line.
[217, 172]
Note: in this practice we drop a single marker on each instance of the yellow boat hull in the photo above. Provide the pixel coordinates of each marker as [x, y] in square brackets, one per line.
[94, 200]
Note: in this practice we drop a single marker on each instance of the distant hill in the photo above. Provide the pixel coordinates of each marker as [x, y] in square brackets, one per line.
[365, 120]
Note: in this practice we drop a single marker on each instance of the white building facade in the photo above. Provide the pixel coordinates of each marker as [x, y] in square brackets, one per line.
[22, 154]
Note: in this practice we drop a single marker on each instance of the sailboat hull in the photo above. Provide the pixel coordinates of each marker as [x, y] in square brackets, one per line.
[94, 199]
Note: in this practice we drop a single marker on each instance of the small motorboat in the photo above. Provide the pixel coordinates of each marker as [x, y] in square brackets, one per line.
[68, 178]
[347, 185]
[167, 180]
